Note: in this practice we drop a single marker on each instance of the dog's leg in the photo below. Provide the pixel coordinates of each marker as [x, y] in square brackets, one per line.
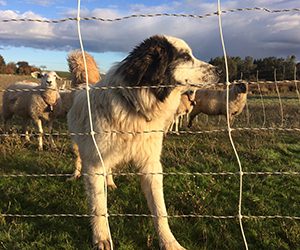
[94, 184]
[78, 163]
[110, 180]
[152, 185]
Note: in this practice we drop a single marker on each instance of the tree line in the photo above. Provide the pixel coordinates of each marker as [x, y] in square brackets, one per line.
[19, 68]
[251, 69]
[247, 68]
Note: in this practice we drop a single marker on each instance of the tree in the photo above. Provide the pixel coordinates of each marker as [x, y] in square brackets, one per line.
[232, 67]
[24, 68]
[289, 67]
[11, 68]
[248, 68]
[43, 67]
[2, 64]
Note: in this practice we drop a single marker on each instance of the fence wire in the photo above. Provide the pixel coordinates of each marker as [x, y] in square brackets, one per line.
[200, 216]
[194, 85]
[94, 18]
[240, 173]
[190, 132]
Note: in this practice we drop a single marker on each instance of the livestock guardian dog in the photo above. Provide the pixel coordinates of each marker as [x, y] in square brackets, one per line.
[159, 60]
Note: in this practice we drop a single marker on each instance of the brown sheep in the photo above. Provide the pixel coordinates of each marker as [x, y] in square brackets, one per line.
[77, 70]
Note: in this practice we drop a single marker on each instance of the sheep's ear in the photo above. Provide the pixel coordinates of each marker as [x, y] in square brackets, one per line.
[36, 74]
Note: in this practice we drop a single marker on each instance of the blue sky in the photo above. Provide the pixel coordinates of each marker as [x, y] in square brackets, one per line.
[253, 33]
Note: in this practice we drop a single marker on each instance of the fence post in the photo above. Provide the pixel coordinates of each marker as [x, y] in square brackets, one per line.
[280, 102]
[262, 99]
[295, 81]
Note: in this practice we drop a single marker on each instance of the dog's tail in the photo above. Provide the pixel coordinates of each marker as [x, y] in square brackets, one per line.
[76, 68]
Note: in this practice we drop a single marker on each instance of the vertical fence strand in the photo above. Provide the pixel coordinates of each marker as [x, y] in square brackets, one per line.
[262, 100]
[229, 128]
[92, 132]
[279, 98]
[296, 85]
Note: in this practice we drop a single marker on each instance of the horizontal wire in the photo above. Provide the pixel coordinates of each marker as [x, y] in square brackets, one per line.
[195, 85]
[194, 174]
[93, 18]
[153, 216]
[152, 131]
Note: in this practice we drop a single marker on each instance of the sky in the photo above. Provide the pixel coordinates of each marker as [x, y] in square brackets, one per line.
[252, 33]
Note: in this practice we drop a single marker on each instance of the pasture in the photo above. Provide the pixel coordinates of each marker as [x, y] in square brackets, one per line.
[187, 194]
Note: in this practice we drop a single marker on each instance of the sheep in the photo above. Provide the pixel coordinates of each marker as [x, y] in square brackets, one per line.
[77, 70]
[41, 103]
[187, 102]
[213, 102]
[78, 77]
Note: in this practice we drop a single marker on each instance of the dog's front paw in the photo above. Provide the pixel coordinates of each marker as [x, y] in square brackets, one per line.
[172, 246]
[102, 245]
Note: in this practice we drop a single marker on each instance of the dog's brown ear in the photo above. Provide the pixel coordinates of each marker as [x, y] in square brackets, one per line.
[147, 64]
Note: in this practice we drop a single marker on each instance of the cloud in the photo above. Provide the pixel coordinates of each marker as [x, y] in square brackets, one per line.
[254, 33]
[43, 3]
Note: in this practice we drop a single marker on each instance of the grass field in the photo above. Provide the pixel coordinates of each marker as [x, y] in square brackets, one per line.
[260, 151]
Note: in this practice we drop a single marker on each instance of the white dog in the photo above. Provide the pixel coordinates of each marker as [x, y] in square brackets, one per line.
[159, 60]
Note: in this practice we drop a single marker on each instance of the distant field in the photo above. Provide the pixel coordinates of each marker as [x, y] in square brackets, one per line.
[260, 151]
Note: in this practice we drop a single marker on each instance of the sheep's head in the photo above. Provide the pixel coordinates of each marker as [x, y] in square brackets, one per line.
[191, 95]
[241, 87]
[48, 79]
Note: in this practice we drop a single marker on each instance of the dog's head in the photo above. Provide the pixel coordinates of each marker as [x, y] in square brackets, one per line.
[165, 60]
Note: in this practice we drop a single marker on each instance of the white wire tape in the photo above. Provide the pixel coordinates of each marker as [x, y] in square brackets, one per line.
[229, 128]
[202, 216]
[91, 121]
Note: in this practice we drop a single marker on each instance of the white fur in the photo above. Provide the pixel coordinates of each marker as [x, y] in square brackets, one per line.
[130, 111]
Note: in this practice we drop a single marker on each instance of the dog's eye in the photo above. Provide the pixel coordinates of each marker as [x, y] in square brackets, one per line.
[186, 57]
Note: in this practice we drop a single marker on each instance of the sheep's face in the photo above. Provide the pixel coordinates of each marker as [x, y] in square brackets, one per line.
[191, 96]
[241, 87]
[48, 79]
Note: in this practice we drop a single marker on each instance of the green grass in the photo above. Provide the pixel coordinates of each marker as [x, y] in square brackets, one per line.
[184, 194]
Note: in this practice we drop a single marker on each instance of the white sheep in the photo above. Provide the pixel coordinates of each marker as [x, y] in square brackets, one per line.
[213, 102]
[41, 103]
[187, 102]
